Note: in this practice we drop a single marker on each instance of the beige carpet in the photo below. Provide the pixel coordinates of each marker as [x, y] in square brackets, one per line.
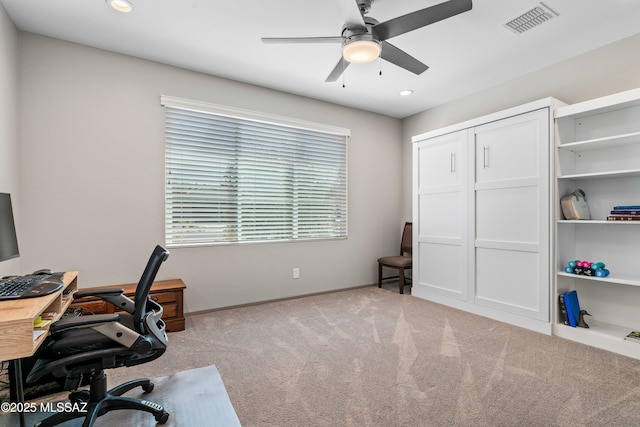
[372, 357]
[195, 397]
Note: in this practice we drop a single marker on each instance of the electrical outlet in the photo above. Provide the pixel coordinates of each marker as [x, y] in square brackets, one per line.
[296, 273]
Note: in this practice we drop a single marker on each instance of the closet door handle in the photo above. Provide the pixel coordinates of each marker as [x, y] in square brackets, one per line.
[486, 156]
[452, 167]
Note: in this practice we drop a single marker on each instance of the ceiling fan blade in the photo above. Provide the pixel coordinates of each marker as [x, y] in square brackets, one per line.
[351, 14]
[282, 40]
[418, 19]
[337, 70]
[401, 59]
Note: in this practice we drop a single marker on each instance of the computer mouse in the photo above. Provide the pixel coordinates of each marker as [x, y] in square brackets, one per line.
[42, 271]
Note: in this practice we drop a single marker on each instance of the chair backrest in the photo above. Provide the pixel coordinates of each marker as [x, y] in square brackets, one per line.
[158, 256]
[406, 243]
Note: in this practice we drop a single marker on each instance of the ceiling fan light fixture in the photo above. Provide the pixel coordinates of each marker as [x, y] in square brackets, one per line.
[360, 50]
[124, 6]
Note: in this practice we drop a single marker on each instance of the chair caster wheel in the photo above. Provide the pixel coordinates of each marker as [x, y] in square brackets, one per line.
[148, 388]
[163, 418]
[80, 396]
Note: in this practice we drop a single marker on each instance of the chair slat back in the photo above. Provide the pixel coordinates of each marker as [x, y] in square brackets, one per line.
[406, 243]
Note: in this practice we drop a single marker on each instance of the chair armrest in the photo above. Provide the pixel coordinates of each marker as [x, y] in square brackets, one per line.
[105, 324]
[83, 321]
[114, 296]
[97, 292]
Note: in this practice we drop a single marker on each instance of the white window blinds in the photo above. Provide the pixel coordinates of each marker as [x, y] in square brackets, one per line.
[236, 176]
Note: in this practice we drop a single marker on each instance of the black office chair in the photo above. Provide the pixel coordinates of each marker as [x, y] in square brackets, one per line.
[87, 345]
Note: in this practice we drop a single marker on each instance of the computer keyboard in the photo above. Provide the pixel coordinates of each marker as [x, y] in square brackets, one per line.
[29, 286]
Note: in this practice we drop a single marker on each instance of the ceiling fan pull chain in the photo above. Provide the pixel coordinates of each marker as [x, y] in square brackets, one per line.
[380, 59]
[343, 68]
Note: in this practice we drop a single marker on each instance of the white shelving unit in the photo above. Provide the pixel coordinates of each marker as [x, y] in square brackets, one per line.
[598, 150]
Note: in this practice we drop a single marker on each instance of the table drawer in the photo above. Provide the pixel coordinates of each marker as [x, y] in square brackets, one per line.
[164, 297]
[169, 311]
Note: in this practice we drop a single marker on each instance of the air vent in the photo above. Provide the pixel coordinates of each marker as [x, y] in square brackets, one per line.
[530, 19]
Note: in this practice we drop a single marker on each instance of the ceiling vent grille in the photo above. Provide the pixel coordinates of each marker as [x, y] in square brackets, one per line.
[530, 19]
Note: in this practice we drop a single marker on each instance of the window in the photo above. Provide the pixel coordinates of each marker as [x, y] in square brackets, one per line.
[237, 176]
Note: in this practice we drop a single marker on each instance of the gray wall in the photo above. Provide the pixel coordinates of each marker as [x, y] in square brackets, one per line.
[93, 119]
[9, 154]
[603, 71]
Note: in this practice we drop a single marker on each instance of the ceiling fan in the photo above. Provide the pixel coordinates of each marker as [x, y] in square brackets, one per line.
[364, 38]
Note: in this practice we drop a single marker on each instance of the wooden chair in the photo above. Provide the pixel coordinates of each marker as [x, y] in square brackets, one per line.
[400, 262]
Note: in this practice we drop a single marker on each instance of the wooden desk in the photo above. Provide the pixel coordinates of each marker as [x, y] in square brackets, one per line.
[17, 331]
[17, 317]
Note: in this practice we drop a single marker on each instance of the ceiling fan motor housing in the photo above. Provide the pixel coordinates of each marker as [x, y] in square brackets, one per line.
[361, 45]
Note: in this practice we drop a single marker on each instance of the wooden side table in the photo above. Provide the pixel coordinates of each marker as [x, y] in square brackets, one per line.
[168, 293]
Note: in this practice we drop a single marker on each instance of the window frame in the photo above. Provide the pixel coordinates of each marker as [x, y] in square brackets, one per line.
[259, 118]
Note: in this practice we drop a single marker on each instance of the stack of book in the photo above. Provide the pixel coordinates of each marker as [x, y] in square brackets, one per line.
[625, 213]
[569, 308]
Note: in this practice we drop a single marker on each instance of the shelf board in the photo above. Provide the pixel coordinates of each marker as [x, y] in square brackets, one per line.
[609, 174]
[602, 143]
[596, 221]
[619, 279]
[602, 335]
[597, 330]
[627, 99]
[604, 329]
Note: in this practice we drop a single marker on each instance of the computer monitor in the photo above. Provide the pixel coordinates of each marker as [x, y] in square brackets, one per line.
[8, 238]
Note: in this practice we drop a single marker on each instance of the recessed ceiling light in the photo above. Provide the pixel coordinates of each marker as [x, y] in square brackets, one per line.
[406, 92]
[124, 6]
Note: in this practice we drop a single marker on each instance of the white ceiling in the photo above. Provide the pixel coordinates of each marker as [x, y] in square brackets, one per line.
[465, 53]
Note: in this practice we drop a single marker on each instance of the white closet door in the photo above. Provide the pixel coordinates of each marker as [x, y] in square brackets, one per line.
[441, 230]
[512, 215]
